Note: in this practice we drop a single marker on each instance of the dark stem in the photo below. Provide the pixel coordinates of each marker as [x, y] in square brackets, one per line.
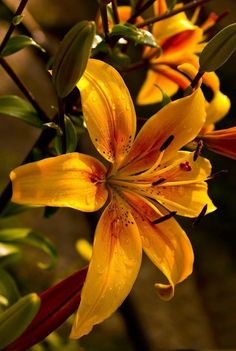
[61, 122]
[115, 12]
[43, 140]
[193, 4]
[196, 79]
[138, 11]
[12, 26]
[24, 89]
[105, 25]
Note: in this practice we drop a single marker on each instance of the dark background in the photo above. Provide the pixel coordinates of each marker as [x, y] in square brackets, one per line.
[202, 314]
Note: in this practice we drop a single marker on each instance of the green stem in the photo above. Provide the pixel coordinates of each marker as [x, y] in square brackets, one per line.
[24, 90]
[115, 12]
[192, 5]
[12, 26]
[105, 24]
[61, 122]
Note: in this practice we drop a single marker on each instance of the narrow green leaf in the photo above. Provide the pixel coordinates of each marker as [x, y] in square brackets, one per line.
[171, 4]
[137, 35]
[71, 135]
[8, 254]
[219, 49]
[8, 288]
[27, 236]
[165, 98]
[72, 57]
[14, 106]
[18, 43]
[16, 318]
[12, 209]
[16, 20]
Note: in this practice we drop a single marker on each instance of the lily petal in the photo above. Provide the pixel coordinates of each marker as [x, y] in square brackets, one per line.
[108, 110]
[113, 268]
[71, 180]
[217, 108]
[149, 93]
[182, 119]
[166, 244]
[222, 141]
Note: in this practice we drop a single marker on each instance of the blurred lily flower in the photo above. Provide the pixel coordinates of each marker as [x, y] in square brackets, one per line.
[148, 181]
[181, 40]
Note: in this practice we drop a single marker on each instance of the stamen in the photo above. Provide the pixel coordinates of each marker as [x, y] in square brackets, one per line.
[198, 150]
[159, 181]
[201, 215]
[164, 218]
[167, 143]
[185, 166]
[214, 175]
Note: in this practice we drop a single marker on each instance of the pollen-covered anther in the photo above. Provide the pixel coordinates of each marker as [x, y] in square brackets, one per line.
[185, 166]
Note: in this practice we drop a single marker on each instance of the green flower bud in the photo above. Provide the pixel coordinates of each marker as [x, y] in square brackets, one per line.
[219, 49]
[16, 318]
[72, 56]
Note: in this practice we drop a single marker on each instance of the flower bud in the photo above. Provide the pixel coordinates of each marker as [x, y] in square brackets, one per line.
[72, 56]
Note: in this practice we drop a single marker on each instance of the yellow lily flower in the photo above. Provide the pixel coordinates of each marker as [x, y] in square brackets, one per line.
[222, 141]
[181, 40]
[148, 181]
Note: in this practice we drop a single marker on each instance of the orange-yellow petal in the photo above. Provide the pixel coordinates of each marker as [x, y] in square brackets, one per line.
[166, 244]
[113, 267]
[149, 93]
[181, 120]
[108, 110]
[71, 180]
[222, 141]
[172, 26]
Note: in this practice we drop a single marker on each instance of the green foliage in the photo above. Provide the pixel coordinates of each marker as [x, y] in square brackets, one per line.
[131, 32]
[72, 56]
[71, 137]
[17, 20]
[10, 238]
[8, 288]
[16, 318]
[219, 49]
[14, 106]
[18, 43]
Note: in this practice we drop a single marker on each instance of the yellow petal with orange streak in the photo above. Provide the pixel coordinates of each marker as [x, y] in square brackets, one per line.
[113, 267]
[71, 180]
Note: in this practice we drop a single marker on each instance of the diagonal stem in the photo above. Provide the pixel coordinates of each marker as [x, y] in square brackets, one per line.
[12, 26]
[191, 5]
[24, 90]
[139, 10]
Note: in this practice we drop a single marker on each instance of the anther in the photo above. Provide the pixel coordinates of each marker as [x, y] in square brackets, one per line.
[198, 150]
[159, 181]
[214, 175]
[167, 142]
[164, 218]
[201, 215]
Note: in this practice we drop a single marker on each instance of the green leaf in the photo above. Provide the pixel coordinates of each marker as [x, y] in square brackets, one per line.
[171, 4]
[71, 135]
[18, 43]
[14, 106]
[13, 209]
[72, 57]
[131, 32]
[165, 98]
[8, 288]
[219, 49]
[8, 254]
[27, 236]
[17, 318]
[16, 20]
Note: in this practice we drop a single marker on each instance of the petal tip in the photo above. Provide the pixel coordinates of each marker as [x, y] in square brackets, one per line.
[165, 292]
